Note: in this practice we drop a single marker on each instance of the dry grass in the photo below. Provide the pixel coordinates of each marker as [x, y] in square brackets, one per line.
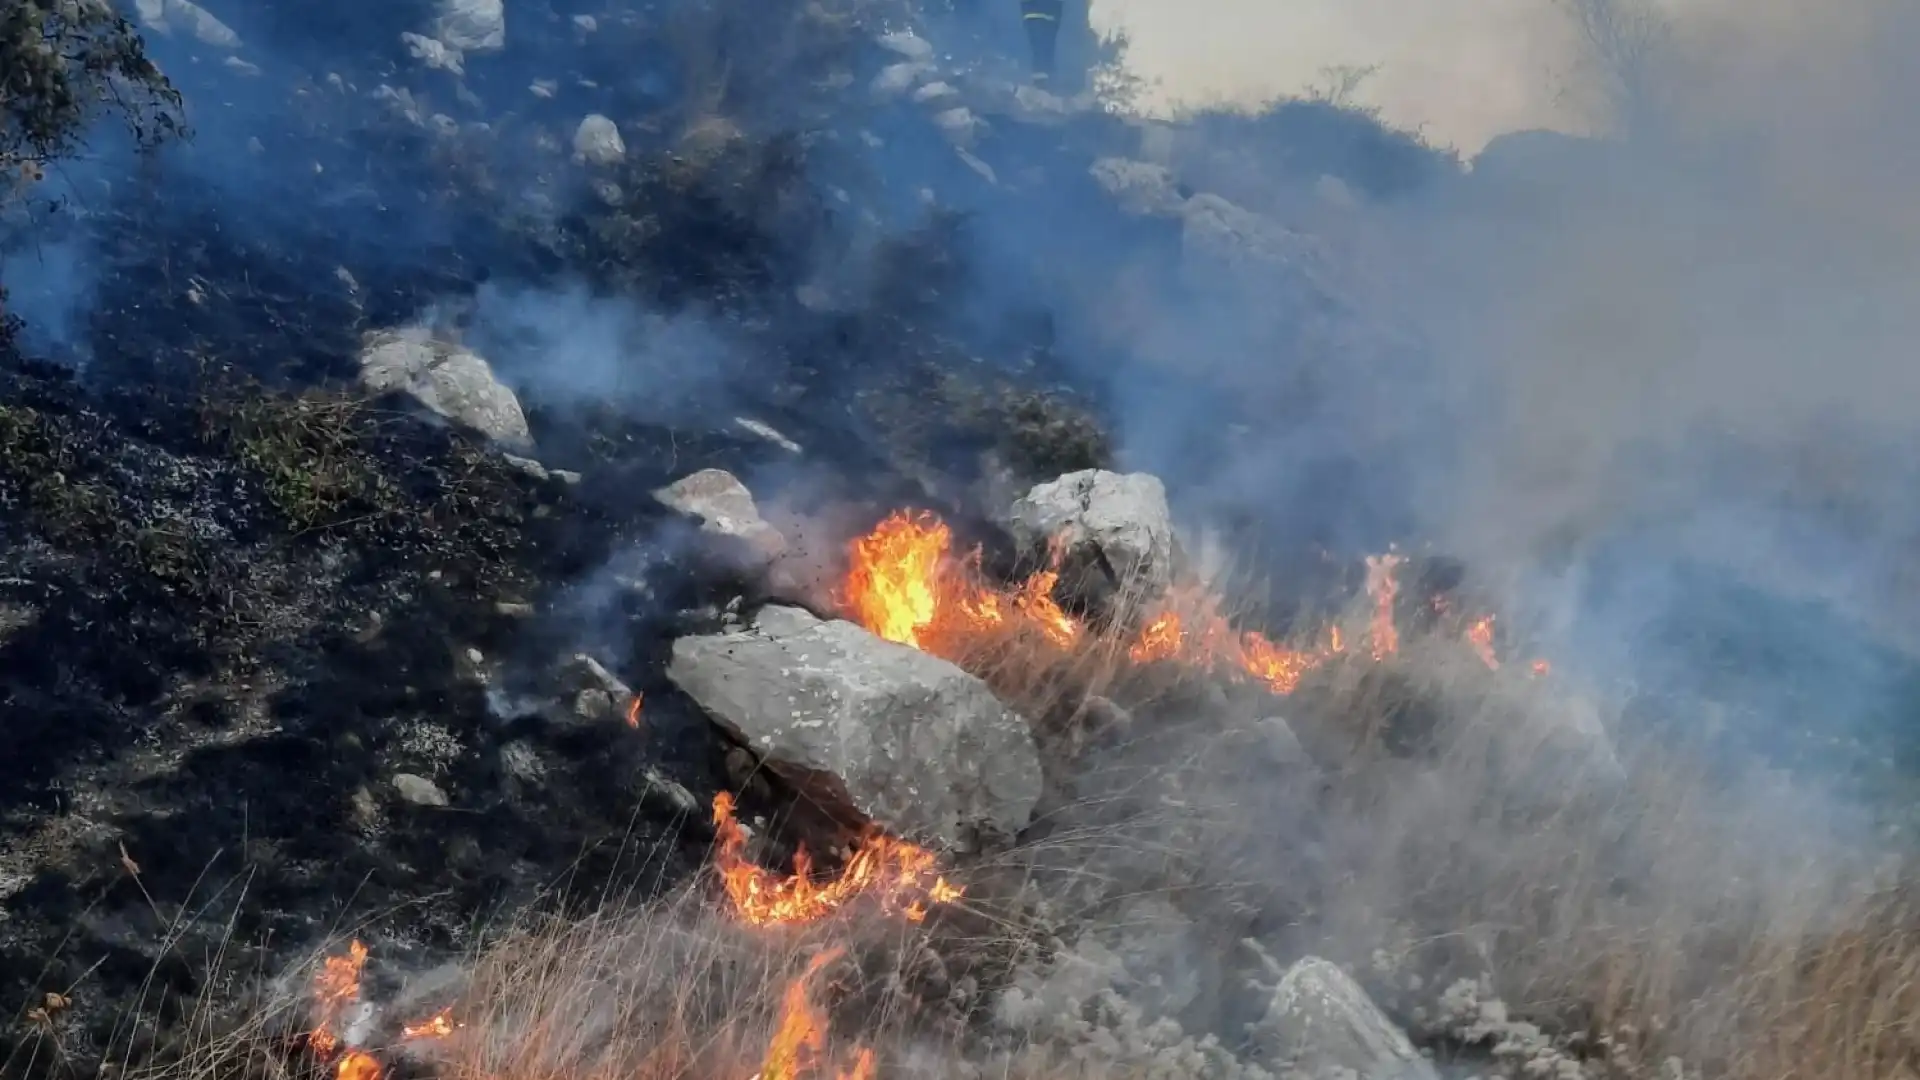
[1655, 910]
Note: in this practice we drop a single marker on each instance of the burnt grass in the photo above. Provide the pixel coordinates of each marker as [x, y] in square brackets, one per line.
[238, 596]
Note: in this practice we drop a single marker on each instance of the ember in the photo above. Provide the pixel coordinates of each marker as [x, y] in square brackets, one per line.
[900, 876]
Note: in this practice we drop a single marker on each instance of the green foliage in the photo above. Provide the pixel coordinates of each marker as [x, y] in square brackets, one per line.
[64, 63]
[310, 453]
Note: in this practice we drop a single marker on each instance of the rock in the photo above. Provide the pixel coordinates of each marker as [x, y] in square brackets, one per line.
[1112, 532]
[937, 96]
[418, 790]
[767, 432]
[972, 162]
[164, 17]
[868, 728]
[1139, 187]
[1220, 231]
[588, 693]
[742, 540]
[908, 44]
[448, 380]
[669, 794]
[522, 763]
[597, 141]
[896, 79]
[1320, 1021]
[434, 54]
[472, 26]
[586, 24]
[958, 125]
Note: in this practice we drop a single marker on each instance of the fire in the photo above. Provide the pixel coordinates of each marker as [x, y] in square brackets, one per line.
[633, 710]
[438, 1026]
[1383, 586]
[906, 585]
[799, 1040]
[901, 876]
[1480, 636]
[357, 1065]
[895, 581]
[334, 988]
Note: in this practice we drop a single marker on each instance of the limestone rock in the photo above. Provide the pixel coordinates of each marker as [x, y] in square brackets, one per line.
[418, 790]
[742, 540]
[1321, 1022]
[448, 380]
[1112, 531]
[597, 141]
[868, 728]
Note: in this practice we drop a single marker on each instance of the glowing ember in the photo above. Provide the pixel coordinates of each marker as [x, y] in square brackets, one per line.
[1480, 636]
[1541, 667]
[900, 876]
[799, 1040]
[334, 988]
[633, 710]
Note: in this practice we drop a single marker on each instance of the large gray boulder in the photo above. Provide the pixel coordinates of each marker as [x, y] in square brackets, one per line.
[1113, 531]
[450, 381]
[1321, 1022]
[868, 728]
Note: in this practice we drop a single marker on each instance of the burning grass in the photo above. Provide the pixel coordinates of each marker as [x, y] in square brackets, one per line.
[1639, 913]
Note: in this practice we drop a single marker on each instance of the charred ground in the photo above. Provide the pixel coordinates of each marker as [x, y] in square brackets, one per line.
[241, 595]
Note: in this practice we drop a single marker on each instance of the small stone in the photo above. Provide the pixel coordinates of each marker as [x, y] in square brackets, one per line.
[669, 793]
[586, 24]
[476, 657]
[418, 790]
[597, 141]
[513, 609]
[909, 45]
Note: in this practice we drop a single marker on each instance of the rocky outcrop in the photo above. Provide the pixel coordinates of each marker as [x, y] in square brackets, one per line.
[450, 381]
[1322, 1023]
[1109, 531]
[870, 729]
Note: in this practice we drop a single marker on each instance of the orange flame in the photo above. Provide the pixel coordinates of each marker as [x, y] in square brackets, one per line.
[901, 876]
[863, 1066]
[438, 1026]
[894, 583]
[1383, 586]
[357, 1065]
[906, 585]
[799, 1040]
[1480, 636]
[633, 710]
[335, 987]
